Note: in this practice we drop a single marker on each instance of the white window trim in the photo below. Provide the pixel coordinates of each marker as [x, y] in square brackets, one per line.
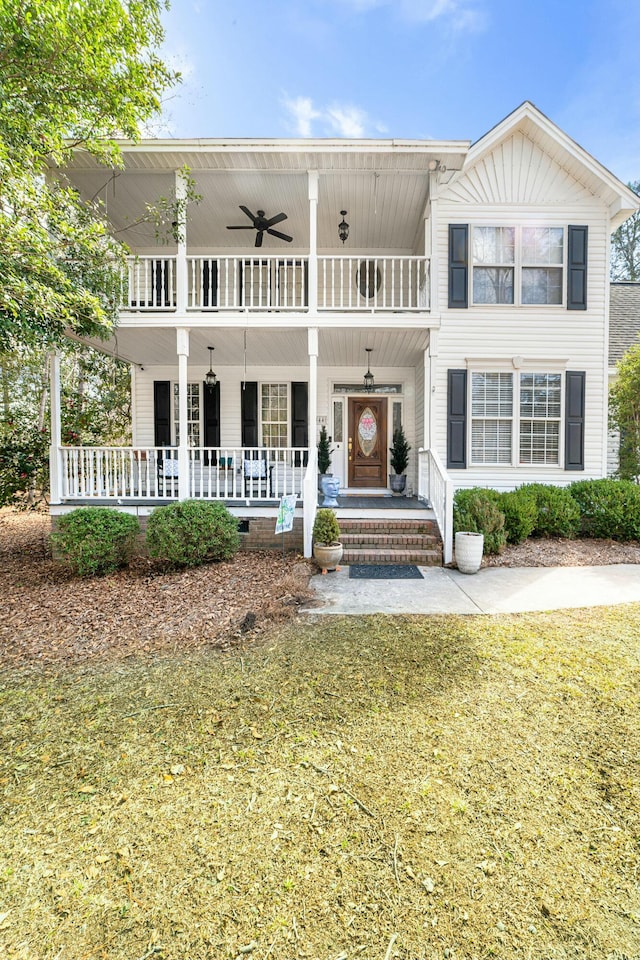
[175, 412]
[509, 366]
[518, 265]
[279, 383]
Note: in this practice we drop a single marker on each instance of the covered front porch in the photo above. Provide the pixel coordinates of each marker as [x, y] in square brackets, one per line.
[250, 438]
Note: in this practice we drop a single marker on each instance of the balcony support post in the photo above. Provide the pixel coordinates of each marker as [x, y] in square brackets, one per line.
[181, 234]
[313, 242]
[432, 225]
[182, 337]
[55, 452]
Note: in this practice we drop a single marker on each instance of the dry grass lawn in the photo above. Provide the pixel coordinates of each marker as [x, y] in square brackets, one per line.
[380, 787]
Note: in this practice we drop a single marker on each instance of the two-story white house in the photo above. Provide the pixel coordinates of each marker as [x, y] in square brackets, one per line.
[470, 280]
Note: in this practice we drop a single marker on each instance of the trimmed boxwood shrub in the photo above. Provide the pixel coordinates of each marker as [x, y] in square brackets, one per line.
[558, 513]
[95, 540]
[191, 532]
[520, 514]
[608, 508]
[477, 511]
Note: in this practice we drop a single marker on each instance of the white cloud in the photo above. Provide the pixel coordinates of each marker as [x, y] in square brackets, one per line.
[335, 119]
[347, 121]
[302, 111]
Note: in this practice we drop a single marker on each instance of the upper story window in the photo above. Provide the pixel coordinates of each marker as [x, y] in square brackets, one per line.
[521, 265]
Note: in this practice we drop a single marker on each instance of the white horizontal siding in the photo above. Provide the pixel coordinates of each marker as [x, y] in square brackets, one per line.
[231, 398]
[517, 184]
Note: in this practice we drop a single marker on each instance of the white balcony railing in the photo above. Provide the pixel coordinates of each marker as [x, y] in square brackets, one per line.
[152, 473]
[269, 283]
[151, 284]
[373, 284]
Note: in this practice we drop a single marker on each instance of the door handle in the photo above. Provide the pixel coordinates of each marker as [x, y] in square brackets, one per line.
[350, 445]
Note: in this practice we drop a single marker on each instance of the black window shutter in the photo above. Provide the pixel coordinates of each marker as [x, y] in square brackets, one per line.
[162, 413]
[456, 419]
[574, 420]
[458, 265]
[210, 283]
[211, 412]
[160, 273]
[577, 268]
[299, 417]
[249, 407]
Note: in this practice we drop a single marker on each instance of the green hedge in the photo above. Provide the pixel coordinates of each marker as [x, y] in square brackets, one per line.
[557, 512]
[192, 532]
[520, 514]
[95, 540]
[608, 508]
[477, 511]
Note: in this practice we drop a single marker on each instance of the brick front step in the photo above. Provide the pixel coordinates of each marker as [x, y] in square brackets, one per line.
[387, 541]
[426, 558]
[377, 541]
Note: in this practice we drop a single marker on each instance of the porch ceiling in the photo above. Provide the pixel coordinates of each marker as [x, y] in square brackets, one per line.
[340, 347]
[384, 209]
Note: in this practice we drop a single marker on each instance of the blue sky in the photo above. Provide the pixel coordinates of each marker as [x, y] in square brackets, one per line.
[441, 69]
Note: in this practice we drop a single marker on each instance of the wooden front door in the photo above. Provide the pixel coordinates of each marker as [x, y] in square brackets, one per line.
[368, 442]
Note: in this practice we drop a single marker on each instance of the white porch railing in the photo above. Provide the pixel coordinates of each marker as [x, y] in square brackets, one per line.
[269, 283]
[151, 284]
[435, 486]
[151, 473]
[371, 284]
[247, 283]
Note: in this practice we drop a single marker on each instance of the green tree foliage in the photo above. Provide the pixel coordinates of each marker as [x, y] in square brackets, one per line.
[192, 532]
[625, 246]
[95, 409]
[71, 75]
[624, 413]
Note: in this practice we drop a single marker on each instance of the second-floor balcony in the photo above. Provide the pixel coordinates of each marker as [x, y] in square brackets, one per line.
[271, 283]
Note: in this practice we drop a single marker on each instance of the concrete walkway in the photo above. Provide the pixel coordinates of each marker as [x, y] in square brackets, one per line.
[491, 590]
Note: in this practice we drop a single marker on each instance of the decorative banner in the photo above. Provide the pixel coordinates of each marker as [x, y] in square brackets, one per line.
[287, 507]
[367, 430]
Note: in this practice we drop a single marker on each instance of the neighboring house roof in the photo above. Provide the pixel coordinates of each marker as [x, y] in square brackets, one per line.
[624, 319]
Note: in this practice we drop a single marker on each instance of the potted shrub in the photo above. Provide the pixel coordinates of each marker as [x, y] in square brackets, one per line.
[328, 485]
[399, 461]
[327, 549]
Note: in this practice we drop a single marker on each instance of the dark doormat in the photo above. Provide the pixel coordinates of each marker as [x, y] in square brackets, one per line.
[384, 571]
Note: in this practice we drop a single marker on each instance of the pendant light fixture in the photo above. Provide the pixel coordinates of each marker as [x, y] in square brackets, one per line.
[368, 377]
[343, 227]
[210, 378]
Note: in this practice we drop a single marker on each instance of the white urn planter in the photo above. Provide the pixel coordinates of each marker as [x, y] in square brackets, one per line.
[469, 547]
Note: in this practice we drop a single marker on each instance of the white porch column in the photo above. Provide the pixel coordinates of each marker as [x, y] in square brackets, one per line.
[182, 337]
[313, 242]
[434, 297]
[311, 483]
[56, 486]
[431, 406]
[181, 258]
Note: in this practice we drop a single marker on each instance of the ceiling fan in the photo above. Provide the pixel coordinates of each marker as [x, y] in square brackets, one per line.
[260, 223]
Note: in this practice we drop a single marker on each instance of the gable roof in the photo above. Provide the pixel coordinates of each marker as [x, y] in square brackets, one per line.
[624, 319]
[573, 158]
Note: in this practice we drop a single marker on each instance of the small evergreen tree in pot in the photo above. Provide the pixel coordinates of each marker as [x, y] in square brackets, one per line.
[324, 451]
[399, 460]
[327, 548]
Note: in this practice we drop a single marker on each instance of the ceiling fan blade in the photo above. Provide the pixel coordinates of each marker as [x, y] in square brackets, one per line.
[247, 227]
[277, 219]
[248, 213]
[282, 236]
[259, 238]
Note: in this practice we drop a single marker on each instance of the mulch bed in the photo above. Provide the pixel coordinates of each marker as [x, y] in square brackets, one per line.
[51, 616]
